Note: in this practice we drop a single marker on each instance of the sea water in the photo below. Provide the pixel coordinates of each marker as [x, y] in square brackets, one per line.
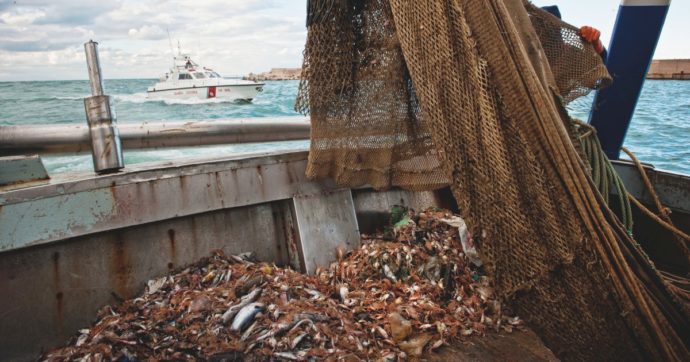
[659, 133]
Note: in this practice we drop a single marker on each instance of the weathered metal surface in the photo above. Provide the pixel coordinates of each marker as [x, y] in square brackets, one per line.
[50, 292]
[93, 65]
[66, 209]
[373, 208]
[106, 149]
[21, 169]
[325, 222]
[103, 237]
[673, 189]
[74, 138]
[54, 217]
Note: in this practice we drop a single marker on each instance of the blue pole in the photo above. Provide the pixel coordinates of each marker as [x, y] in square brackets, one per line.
[635, 36]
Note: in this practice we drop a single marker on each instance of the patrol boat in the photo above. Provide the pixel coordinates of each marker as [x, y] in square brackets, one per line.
[189, 80]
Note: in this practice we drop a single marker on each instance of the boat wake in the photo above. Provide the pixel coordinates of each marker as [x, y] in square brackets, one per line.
[143, 98]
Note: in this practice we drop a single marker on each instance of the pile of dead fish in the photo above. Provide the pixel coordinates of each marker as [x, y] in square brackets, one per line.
[404, 292]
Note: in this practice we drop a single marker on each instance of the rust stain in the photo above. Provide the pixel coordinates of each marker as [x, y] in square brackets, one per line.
[262, 186]
[57, 287]
[183, 182]
[119, 267]
[184, 192]
[60, 310]
[152, 193]
[56, 270]
[290, 176]
[219, 189]
[194, 241]
[293, 249]
[173, 248]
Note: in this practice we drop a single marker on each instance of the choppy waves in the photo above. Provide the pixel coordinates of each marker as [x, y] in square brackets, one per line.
[142, 97]
[659, 133]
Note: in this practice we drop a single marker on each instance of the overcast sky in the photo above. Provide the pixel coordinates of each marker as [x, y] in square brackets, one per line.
[43, 39]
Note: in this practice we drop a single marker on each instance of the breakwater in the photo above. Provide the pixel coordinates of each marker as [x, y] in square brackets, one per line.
[678, 69]
[276, 74]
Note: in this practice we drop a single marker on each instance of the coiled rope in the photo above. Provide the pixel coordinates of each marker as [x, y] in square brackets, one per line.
[604, 175]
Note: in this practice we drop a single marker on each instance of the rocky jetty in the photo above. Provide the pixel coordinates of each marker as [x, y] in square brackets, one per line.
[276, 74]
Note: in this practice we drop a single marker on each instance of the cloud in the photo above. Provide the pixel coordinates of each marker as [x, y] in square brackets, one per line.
[150, 32]
[21, 17]
[45, 39]
[30, 46]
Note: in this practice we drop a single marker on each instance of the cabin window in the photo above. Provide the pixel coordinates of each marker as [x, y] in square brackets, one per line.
[216, 75]
[199, 75]
[212, 75]
[184, 76]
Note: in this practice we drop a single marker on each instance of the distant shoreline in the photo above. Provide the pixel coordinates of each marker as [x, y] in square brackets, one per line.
[669, 69]
[276, 74]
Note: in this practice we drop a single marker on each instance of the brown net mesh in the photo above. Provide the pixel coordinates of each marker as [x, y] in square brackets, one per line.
[420, 94]
[366, 127]
[576, 68]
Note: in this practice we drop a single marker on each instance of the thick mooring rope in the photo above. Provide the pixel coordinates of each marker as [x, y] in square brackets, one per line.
[603, 173]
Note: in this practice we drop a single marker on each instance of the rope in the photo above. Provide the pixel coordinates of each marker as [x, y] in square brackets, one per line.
[663, 211]
[603, 173]
[667, 226]
[664, 218]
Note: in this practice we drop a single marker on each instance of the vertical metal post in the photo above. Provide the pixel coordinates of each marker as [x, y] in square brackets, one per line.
[634, 39]
[106, 147]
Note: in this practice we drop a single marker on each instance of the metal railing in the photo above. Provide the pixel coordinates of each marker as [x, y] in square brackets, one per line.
[74, 138]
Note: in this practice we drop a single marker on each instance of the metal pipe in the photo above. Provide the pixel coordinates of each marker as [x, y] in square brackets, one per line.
[74, 138]
[635, 36]
[94, 68]
[106, 148]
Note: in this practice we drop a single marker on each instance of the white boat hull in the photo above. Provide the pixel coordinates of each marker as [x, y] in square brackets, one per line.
[240, 92]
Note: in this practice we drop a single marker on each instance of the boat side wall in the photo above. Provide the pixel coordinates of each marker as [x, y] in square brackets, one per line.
[150, 222]
[91, 241]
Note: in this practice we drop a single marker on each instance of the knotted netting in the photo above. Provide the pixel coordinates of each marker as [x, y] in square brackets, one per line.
[470, 94]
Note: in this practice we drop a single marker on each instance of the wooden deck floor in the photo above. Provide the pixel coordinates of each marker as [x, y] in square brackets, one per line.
[517, 346]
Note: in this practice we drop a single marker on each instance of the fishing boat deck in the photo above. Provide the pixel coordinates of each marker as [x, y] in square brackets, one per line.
[80, 241]
[522, 345]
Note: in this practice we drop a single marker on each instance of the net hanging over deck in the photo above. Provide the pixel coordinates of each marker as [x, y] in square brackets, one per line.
[470, 94]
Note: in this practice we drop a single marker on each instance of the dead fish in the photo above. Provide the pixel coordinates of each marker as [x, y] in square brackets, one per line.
[288, 356]
[246, 315]
[248, 332]
[343, 292]
[155, 284]
[249, 285]
[295, 342]
[232, 311]
[389, 274]
[315, 294]
[230, 356]
[313, 317]
[82, 339]
[208, 277]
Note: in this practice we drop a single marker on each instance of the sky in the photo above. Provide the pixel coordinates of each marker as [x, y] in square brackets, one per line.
[43, 39]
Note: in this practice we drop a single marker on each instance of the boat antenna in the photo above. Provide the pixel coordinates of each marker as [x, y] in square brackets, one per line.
[172, 52]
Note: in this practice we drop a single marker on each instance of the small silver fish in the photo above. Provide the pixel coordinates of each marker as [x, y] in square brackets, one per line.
[246, 315]
[295, 342]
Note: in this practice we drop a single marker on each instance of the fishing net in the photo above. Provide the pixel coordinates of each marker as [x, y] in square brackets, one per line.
[470, 93]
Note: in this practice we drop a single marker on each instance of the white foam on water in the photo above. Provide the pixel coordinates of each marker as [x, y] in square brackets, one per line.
[70, 98]
[142, 97]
